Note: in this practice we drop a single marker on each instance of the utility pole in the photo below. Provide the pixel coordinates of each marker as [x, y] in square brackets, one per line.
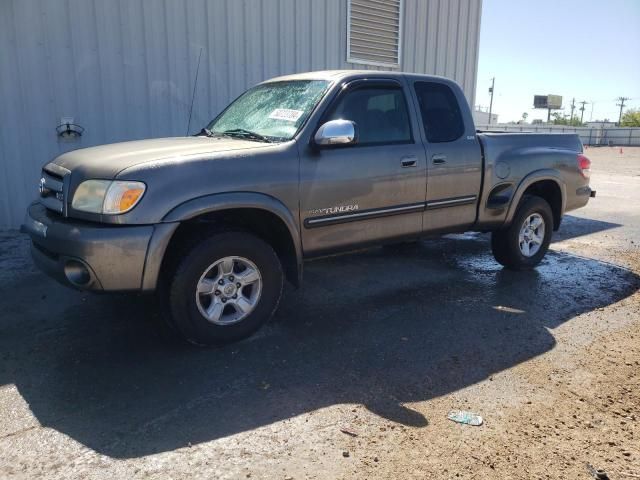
[493, 83]
[621, 105]
[573, 107]
[583, 102]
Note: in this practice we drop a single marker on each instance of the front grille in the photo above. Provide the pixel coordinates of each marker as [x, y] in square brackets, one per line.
[52, 190]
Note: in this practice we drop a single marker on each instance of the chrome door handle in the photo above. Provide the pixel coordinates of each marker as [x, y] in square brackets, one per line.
[439, 159]
[410, 161]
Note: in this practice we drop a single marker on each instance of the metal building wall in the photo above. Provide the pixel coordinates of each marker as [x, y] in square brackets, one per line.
[125, 69]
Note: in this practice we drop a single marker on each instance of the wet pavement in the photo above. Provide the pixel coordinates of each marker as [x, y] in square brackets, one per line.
[85, 375]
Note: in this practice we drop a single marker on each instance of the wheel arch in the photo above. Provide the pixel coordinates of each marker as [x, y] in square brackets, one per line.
[260, 214]
[547, 184]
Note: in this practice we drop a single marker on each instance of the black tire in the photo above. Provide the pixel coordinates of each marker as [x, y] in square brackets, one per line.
[505, 243]
[181, 284]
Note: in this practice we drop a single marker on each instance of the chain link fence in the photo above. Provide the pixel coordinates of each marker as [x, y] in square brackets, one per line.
[615, 137]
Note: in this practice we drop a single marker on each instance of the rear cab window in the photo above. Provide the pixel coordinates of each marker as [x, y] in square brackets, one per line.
[440, 112]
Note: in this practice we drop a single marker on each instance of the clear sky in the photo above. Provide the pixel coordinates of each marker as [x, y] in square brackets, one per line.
[587, 49]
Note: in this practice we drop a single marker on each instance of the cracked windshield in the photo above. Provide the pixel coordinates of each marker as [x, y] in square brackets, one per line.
[272, 111]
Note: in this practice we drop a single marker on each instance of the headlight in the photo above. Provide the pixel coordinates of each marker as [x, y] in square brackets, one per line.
[106, 196]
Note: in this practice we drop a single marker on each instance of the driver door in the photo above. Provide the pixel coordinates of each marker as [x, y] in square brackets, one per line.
[370, 190]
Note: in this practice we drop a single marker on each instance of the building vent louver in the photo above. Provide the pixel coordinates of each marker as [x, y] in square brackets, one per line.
[374, 32]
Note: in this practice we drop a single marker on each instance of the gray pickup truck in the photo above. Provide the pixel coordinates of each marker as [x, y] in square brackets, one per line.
[296, 167]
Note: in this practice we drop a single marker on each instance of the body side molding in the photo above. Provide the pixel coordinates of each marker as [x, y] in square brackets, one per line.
[387, 211]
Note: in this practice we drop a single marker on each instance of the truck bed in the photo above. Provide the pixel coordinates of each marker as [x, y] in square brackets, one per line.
[511, 159]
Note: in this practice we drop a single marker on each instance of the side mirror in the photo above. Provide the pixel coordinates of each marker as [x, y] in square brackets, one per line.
[336, 133]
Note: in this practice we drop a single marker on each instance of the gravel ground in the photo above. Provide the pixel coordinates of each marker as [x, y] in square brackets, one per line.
[355, 376]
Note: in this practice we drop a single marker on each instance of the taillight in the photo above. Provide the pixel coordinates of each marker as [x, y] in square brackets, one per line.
[584, 164]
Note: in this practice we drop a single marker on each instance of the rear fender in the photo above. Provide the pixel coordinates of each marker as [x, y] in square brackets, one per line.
[537, 176]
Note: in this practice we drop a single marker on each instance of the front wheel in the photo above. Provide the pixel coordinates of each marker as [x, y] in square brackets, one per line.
[224, 288]
[525, 242]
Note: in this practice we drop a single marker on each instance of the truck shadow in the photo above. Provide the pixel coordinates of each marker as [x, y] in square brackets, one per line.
[367, 328]
[573, 227]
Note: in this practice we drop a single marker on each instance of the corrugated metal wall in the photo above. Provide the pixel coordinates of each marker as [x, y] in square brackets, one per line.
[124, 69]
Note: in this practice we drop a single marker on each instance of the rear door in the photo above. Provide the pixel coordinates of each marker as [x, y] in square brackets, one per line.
[371, 190]
[454, 159]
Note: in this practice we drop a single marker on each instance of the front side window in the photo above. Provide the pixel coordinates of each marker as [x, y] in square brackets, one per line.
[440, 112]
[380, 114]
[274, 110]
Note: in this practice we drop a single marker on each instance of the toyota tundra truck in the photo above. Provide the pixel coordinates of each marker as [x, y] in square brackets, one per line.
[297, 167]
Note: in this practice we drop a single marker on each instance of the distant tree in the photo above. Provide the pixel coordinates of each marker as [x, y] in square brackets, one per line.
[559, 119]
[631, 118]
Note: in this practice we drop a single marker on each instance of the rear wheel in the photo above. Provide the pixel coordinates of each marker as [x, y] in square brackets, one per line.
[224, 288]
[525, 242]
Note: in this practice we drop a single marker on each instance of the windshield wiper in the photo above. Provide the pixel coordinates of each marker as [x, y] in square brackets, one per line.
[248, 134]
[205, 132]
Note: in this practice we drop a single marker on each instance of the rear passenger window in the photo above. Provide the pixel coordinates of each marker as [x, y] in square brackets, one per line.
[380, 114]
[440, 112]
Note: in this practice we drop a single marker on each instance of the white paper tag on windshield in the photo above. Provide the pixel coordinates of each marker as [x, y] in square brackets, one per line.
[286, 114]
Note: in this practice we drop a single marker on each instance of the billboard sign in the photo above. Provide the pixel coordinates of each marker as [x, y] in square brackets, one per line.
[539, 101]
[552, 102]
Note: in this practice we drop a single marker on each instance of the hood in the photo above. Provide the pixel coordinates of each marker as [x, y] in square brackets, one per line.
[105, 161]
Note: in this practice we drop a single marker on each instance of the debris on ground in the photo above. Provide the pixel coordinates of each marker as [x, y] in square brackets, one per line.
[597, 473]
[348, 432]
[468, 418]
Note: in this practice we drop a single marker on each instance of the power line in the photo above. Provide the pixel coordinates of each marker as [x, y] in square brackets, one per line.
[609, 100]
[621, 105]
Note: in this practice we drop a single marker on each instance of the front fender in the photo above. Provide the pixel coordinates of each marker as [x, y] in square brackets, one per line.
[234, 200]
[526, 182]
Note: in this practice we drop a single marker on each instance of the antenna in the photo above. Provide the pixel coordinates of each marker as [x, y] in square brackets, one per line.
[193, 95]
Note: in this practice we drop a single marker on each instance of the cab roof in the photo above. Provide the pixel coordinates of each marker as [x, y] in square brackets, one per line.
[333, 75]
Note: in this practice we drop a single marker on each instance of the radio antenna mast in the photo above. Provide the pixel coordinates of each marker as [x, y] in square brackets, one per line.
[193, 95]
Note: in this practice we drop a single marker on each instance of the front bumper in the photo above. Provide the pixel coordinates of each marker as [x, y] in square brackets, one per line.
[87, 255]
